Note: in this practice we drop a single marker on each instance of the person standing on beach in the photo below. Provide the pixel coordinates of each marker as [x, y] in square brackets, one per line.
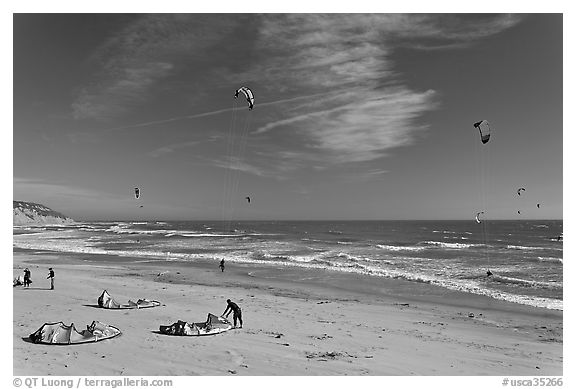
[233, 307]
[51, 276]
[27, 280]
[222, 265]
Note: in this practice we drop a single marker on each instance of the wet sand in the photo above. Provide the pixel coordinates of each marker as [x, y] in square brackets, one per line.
[296, 323]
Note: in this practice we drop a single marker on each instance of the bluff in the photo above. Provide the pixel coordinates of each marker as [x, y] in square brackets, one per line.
[26, 213]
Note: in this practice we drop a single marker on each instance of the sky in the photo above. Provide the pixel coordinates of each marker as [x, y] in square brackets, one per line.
[356, 116]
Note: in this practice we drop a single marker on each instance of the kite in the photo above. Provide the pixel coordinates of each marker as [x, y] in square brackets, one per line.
[484, 127]
[478, 217]
[248, 94]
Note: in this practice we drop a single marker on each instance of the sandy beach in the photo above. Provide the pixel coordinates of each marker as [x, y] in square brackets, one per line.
[291, 326]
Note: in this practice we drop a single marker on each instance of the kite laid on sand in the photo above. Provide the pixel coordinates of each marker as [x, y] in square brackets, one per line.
[61, 334]
[213, 325]
[108, 302]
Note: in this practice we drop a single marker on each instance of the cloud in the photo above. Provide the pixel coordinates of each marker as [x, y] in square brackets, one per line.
[138, 59]
[43, 189]
[116, 95]
[171, 148]
[361, 108]
[330, 80]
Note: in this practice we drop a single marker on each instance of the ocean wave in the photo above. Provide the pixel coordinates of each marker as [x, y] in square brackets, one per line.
[526, 283]
[471, 286]
[447, 232]
[517, 247]
[550, 259]
[374, 260]
[400, 248]
[315, 240]
[448, 245]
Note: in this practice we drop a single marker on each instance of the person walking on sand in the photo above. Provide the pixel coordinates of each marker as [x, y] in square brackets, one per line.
[51, 276]
[222, 265]
[233, 307]
[27, 280]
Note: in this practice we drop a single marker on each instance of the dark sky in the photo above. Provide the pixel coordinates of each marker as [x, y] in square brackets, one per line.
[357, 116]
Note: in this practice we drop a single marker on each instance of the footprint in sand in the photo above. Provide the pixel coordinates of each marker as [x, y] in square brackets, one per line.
[236, 357]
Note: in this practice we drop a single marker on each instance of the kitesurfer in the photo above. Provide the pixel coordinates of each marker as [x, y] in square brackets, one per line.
[51, 276]
[233, 307]
[488, 273]
[222, 265]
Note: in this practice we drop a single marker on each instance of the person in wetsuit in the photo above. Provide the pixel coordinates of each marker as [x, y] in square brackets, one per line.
[27, 280]
[51, 277]
[233, 307]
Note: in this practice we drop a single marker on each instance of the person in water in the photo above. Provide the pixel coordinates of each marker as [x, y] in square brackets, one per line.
[222, 265]
[233, 307]
[51, 276]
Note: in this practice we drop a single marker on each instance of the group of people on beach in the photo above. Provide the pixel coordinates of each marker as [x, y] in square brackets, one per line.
[28, 278]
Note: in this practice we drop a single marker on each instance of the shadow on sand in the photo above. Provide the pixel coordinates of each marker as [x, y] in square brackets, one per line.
[30, 288]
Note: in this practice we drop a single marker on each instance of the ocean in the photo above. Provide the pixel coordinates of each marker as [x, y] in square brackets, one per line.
[524, 256]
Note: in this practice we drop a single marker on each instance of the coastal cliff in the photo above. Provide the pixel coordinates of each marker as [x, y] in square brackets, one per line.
[26, 213]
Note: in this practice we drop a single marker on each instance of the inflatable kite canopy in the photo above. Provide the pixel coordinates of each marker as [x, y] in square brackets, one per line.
[107, 301]
[484, 127]
[213, 325]
[248, 94]
[61, 334]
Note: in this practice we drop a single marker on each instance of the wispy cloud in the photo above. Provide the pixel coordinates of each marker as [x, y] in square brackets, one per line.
[352, 54]
[44, 189]
[330, 79]
[171, 148]
[135, 60]
[238, 164]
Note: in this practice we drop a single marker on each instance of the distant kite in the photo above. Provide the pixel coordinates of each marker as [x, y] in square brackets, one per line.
[137, 193]
[248, 94]
[520, 190]
[478, 217]
[248, 199]
[538, 205]
[484, 127]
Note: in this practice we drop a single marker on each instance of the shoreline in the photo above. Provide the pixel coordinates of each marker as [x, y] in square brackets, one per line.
[353, 283]
[353, 316]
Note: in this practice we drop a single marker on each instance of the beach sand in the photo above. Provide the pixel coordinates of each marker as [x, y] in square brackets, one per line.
[296, 322]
